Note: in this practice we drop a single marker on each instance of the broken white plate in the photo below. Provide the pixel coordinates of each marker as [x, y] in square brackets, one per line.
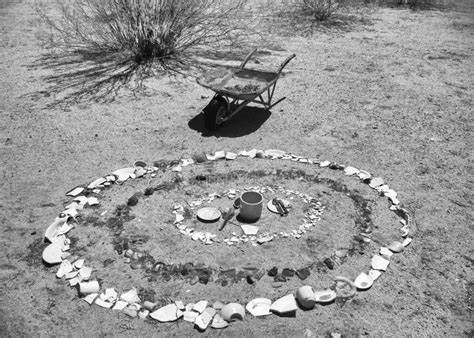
[274, 153]
[324, 164]
[52, 253]
[249, 230]
[363, 281]
[110, 295]
[92, 201]
[379, 263]
[71, 212]
[79, 263]
[89, 287]
[74, 192]
[284, 305]
[264, 239]
[85, 272]
[130, 296]
[124, 171]
[103, 303]
[91, 297]
[385, 252]
[218, 322]
[168, 313]
[259, 307]
[120, 305]
[97, 182]
[233, 311]
[200, 306]
[396, 247]
[376, 182]
[252, 153]
[82, 200]
[325, 296]
[364, 175]
[351, 170]
[180, 305]
[179, 218]
[203, 320]
[305, 297]
[190, 316]
[219, 154]
[64, 268]
[143, 314]
[374, 274]
[407, 241]
[274, 209]
[230, 156]
[208, 214]
[52, 231]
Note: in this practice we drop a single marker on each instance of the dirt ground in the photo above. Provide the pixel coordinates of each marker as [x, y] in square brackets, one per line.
[391, 94]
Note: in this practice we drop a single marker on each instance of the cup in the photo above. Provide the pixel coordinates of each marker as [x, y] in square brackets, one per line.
[251, 206]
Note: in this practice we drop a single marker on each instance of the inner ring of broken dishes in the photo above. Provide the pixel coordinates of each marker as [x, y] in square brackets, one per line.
[77, 272]
[250, 233]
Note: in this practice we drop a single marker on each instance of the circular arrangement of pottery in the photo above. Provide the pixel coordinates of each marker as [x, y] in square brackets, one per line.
[202, 314]
[251, 234]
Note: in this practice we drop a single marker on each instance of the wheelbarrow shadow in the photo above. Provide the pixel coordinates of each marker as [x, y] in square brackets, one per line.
[246, 122]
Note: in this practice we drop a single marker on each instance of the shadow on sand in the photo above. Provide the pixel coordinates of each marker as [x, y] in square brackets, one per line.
[246, 122]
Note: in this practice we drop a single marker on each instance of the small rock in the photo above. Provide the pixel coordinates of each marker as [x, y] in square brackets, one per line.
[273, 271]
[132, 201]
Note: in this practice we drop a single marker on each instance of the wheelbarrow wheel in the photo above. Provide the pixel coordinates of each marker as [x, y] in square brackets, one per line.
[215, 112]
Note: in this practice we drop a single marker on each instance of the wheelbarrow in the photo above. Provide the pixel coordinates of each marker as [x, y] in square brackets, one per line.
[235, 88]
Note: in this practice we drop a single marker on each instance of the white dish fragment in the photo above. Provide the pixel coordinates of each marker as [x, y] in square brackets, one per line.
[374, 274]
[396, 247]
[407, 241]
[200, 306]
[130, 296]
[363, 281]
[52, 254]
[259, 307]
[249, 230]
[284, 305]
[168, 313]
[218, 322]
[233, 311]
[379, 263]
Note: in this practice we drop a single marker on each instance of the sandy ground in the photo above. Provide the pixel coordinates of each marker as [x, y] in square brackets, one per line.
[391, 94]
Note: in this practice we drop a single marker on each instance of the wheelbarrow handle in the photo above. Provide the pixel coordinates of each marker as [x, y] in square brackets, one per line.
[247, 58]
[284, 63]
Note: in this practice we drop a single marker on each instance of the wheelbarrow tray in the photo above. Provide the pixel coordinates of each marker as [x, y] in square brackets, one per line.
[238, 83]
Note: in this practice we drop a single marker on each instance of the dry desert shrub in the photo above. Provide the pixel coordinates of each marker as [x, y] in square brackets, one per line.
[321, 10]
[414, 4]
[117, 41]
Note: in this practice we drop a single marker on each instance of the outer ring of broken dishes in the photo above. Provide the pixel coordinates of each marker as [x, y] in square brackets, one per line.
[129, 302]
[311, 217]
